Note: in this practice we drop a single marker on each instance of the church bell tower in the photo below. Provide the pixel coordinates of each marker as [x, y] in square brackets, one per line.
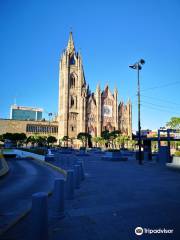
[72, 93]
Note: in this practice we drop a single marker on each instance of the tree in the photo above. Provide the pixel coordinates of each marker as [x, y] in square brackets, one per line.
[16, 138]
[105, 136]
[83, 137]
[65, 140]
[132, 143]
[19, 138]
[7, 136]
[41, 141]
[96, 140]
[2, 138]
[103, 142]
[51, 140]
[122, 140]
[28, 140]
[112, 136]
[32, 140]
[174, 123]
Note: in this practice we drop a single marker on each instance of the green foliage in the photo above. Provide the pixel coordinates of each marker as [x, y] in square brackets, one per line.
[17, 138]
[103, 142]
[177, 154]
[7, 136]
[51, 140]
[2, 138]
[65, 140]
[132, 144]
[41, 140]
[122, 140]
[105, 135]
[154, 146]
[97, 140]
[83, 137]
[31, 139]
[174, 123]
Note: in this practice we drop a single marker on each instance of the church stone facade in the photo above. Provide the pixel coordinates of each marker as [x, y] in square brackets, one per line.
[82, 111]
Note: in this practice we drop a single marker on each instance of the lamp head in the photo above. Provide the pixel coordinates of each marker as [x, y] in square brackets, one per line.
[142, 61]
[132, 66]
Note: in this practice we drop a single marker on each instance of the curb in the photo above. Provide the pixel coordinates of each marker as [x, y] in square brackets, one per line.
[173, 166]
[58, 169]
[15, 221]
[5, 167]
[26, 212]
[19, 218]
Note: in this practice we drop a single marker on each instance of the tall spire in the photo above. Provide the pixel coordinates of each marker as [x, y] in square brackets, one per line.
[70, 46]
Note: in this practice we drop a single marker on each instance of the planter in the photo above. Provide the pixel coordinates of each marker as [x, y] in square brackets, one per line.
[176, 160]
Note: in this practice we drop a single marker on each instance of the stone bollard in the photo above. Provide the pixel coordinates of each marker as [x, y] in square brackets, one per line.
[69, 185]
[39, 217]
[81, 170]
[58, 197]
[77, 177]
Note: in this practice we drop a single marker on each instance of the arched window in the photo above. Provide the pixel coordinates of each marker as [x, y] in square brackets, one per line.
[72, 101]
[72, 60]
[72, 81]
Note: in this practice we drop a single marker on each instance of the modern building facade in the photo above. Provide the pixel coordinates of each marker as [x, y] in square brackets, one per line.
[83, 111]
[25, 113]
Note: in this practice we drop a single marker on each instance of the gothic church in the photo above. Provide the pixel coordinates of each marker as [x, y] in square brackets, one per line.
[82, 111]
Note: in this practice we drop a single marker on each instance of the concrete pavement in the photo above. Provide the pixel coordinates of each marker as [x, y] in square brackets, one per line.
[25, 178]
[115, 198]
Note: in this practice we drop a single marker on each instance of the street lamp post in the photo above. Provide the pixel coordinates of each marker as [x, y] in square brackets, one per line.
[138, 66]
[49, 114]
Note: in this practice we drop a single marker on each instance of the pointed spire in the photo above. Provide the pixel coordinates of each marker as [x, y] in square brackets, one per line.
[70, 46]
[98, 87]
[128, 101]
[115, 90]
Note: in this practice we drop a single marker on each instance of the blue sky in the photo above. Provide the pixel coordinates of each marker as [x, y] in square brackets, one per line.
[110, 34]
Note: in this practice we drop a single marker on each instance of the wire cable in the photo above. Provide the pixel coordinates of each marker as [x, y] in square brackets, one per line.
[161, 86]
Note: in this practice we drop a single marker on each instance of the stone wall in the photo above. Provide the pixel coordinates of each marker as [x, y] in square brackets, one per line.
[17, 126]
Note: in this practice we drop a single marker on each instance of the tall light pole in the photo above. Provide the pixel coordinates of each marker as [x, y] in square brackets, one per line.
[50, 115]
[138, 66]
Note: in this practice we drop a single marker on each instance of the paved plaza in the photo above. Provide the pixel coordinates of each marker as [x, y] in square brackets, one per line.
[117, 197]
[114, 199]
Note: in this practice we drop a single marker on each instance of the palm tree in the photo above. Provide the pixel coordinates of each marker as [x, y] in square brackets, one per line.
[103, 142]
[122, 140]
[96, 140]
[112, 136]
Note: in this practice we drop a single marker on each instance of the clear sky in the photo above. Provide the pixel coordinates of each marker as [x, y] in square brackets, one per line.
[111, 34]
